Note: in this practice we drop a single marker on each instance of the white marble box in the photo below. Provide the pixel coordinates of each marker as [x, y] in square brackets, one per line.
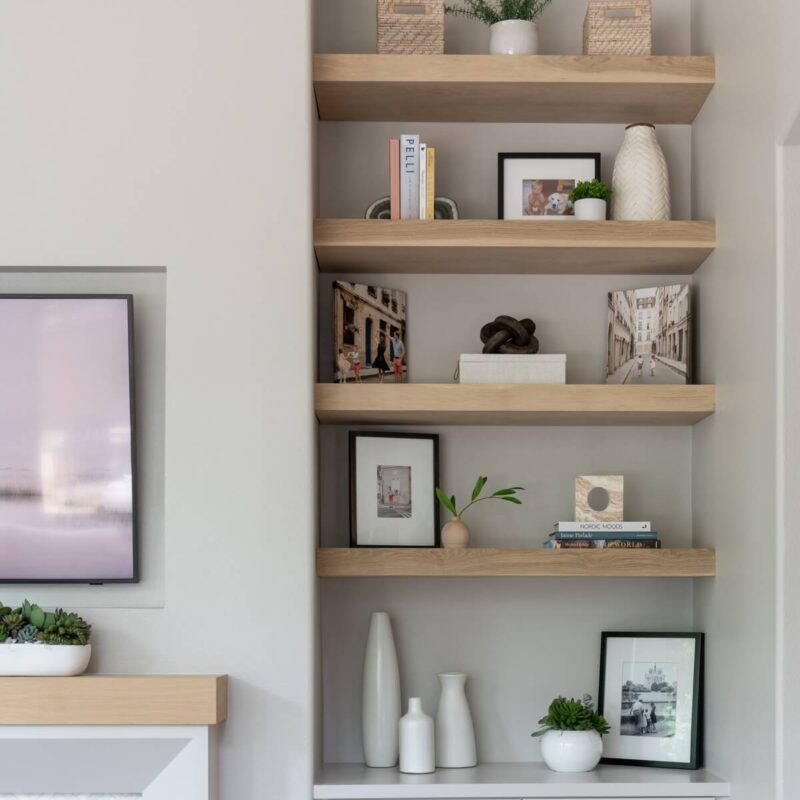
[497, 368]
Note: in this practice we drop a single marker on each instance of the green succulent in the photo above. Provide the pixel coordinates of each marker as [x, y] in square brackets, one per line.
[4, 609]
[572, 715]
[66, 629]
[30, 633]
[34, 614]
[13, 623]
[3, 634]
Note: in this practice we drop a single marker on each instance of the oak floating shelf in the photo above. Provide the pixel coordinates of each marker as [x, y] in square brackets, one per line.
[481, 562]
[485, 88]
[115, 700]
[479, 246]
[503, 404]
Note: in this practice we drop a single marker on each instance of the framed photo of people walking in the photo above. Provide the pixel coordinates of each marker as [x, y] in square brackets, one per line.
[651, 693]
[393, 479]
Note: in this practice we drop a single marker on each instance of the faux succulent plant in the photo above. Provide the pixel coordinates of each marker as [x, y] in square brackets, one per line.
[30, 623]
[572, 715]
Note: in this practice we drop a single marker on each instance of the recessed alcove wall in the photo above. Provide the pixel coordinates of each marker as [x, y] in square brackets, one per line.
[149, 290]
[521, 640]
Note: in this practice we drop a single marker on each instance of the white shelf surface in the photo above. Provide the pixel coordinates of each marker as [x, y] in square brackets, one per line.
[515, 782]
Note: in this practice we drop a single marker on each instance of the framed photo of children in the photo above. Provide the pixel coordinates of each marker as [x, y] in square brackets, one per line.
[538, 185]
[393, 479]
[651, 693]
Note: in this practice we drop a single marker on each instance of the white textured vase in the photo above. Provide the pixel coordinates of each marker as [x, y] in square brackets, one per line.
[455, 735]
[590, 208]
[417, 751]
[572, 751]
[514, 37]
[380, 705]
[641, 178]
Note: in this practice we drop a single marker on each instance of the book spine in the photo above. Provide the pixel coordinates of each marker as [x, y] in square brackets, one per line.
[604, 544]
[409, 176]
[394, 178]
[423, 180]
[614, 527]
[598, 535]
[430, 186]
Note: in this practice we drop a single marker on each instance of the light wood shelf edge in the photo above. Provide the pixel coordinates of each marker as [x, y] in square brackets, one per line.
[115, 700]
[533, 562]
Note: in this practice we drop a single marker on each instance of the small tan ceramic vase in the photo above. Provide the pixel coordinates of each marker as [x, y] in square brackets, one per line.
[455, 533]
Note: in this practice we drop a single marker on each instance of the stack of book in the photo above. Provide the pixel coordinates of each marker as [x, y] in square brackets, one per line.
[412, 168]
[611, 535]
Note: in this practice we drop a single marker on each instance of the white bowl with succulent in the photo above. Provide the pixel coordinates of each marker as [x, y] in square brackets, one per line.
[35, 642]
[513, 28]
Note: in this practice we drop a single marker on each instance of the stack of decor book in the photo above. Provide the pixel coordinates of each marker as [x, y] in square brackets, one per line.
[412, 167]
[611, 535]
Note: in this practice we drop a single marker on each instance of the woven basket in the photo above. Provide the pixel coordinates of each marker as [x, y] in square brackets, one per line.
[402, 32]
[618, 28]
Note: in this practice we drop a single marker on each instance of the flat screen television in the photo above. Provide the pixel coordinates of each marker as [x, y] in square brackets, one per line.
[67, 439]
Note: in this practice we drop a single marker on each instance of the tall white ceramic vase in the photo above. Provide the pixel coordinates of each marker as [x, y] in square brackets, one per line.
[380, 709]
[455, 735]
[641, 178]
[417, 752]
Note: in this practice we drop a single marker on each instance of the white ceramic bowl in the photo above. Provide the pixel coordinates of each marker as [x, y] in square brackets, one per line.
[48, 660]
[572, 751]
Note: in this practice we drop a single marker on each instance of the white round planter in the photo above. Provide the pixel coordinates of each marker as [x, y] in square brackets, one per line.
[44, 660]
[514, 37]
[572, 751]
[590, 208]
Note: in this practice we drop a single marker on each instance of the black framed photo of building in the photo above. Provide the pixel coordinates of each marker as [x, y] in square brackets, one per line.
[538, 185]
[393, 479]
[650, 335]
[369, 333]
[651, 693]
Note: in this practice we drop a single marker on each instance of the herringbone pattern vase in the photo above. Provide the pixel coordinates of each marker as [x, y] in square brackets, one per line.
[641, 178]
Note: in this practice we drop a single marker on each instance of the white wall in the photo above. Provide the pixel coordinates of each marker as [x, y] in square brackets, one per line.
[178, 134]
[734, 157]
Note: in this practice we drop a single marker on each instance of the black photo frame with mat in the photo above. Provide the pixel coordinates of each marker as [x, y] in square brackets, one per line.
[393, 480]
[662, 672]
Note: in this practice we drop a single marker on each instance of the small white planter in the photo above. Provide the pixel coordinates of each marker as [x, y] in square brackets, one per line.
[572, 751]
[514, 37]
[591, 208]
[43, 660]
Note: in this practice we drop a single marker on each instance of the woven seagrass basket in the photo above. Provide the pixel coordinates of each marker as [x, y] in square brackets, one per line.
[618, 28]
[410, 26]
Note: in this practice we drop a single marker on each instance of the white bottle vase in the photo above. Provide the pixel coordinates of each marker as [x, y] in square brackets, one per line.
[455, 736]
[641, 178]
[380, 709]
[514, 37]
[417, 751]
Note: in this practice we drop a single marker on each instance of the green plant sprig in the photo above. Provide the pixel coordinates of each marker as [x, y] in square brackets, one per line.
[595, 190]
[572, 715]
[30, 623]
[492, 12]
[501, 494]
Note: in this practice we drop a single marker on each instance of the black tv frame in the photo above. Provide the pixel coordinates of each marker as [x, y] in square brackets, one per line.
[134, 455]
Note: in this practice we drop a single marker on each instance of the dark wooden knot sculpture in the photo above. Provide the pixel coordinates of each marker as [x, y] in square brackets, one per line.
[510, 336]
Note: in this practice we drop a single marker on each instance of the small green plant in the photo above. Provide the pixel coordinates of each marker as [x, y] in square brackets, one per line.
[499, 10]
[594, 190]
[30, 623]
[572, 715]
[501, 494]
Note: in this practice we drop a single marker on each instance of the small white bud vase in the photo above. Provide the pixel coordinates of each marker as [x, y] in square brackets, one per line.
[572, 751]
[514, 37]
[641, 178]
[455, 735]
[591, 208]
[455, 533]
[380, 706]
[417, 751]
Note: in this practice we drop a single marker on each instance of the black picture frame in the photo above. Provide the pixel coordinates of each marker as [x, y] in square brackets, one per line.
[503, 157]
[353, 438]
[128, 298]
[698, 672]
